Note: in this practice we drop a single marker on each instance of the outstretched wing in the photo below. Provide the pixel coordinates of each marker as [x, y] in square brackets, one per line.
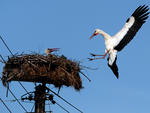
[131, 27]
[112, 63]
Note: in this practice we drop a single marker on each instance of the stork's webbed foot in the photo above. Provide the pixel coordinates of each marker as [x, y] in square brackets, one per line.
[90, 59]
[93, 54]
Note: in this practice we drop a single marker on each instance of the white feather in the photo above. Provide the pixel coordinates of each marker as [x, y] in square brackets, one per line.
[119, 36]
[112, 56]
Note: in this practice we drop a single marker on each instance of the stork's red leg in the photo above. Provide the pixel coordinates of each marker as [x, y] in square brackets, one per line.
[98, 55]
[96, 58]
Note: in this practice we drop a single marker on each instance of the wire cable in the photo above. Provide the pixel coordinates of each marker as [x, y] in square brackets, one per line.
[18, 81]
[28, 92]
[5, 105]
[85, 76]
[1, 79]
[23, 87]
[32, 107]
[64, 100]
[62, 107]
[12, 55]
[16, 99]
[6, 45]
[2, 58]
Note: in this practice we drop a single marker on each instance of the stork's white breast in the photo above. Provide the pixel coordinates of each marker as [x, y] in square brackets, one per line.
[109, 43]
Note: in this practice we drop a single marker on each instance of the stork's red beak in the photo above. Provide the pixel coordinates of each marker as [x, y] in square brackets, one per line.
[94, 34]
[53, 49]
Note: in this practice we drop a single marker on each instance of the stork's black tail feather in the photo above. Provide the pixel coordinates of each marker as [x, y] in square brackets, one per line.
[114, 67]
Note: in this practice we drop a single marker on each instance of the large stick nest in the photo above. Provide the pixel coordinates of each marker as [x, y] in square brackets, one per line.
[51, 69]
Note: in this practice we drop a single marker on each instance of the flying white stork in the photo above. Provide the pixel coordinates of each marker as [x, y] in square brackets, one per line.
[50, 50]
[117, 42]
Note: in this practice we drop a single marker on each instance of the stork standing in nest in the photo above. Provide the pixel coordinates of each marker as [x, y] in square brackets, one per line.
[50, 50]
[117, 42]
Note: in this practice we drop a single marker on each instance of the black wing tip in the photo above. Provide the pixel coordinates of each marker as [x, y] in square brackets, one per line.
[142, 7]
[141, 13]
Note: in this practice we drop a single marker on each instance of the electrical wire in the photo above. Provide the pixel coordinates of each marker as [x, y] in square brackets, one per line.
[6, 45]
[5, 105]
[62, 107]
[16, 99]
[28, 92]
[64, 100]
[18, 81]
[2, 58]
[32, 108]
[85, 76]
[12, 55]
[7, 84]
[23, 87]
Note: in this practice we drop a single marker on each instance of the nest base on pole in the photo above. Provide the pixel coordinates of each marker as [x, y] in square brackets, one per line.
[50, 69]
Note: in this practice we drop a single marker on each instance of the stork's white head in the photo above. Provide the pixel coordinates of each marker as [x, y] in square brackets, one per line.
[96, 32]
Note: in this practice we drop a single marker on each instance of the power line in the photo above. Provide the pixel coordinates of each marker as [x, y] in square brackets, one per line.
[85, 76]
[6, 45]
[62, 107]
[1, 79]
[12, 55]
[64, 100]
[2, 58]
[6, 106]
[50, 97]
[18, 81]
[23, 87]
[47, 88]
[32, 108]
[16, 99]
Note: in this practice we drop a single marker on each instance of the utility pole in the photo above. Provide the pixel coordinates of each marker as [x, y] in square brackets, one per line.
[40, 97]
[53, 65]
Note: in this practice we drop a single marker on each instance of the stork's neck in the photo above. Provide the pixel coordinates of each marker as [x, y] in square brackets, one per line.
[104, 34]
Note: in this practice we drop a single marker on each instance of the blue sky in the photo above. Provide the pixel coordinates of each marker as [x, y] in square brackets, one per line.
[34, 25]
